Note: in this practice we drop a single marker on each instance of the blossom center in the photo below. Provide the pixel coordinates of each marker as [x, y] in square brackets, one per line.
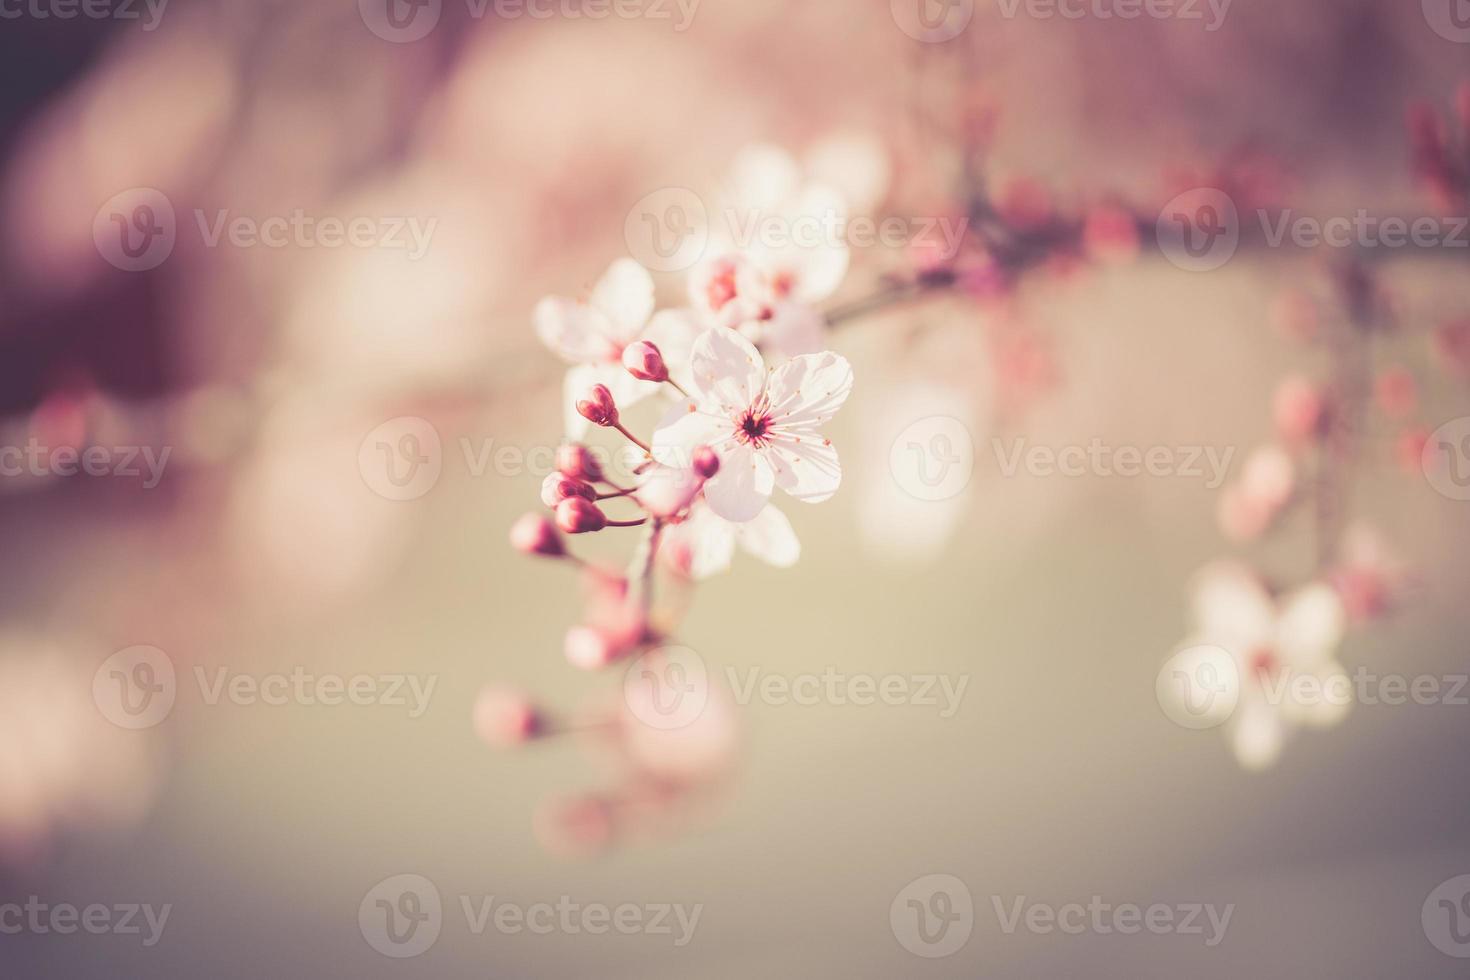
[754, 425]
[721, 289]
[1263, 662]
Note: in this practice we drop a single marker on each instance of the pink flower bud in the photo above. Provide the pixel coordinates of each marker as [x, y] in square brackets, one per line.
[578, 515]
[1298, 409]
[556, 488]
[706, 462]
[578, 463]
[598, 407]
[645, 362]
[533, 534]
[1110, 235]
[592, 649]
[504, 718]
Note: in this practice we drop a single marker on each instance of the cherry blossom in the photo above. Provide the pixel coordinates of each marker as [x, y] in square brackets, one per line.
[1271, 641]
[593, 335]
[765, 425]
[705, 543]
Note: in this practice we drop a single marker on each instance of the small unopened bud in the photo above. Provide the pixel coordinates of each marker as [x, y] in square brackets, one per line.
[592, 649]
[598, 407]
[556, 488]
[533, 534]
[578, 463]
[504, 718]
[645, 362]
[706, 462]
[1298, 408]
[578, 515]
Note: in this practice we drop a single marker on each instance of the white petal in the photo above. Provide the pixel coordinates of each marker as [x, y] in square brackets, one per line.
[856, 163]
[1257, 735]
[624, 294]
[575, 331]
[1310, 627]
[792, 330]
[805, 465]
[1231, 607]
[742, 487]
[728, 371]
[682, 430]
[710, 540]
[769, 537]
[808, 390]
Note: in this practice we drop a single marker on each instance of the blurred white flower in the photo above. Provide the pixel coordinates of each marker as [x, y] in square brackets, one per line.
[1284, 652]
[704, 544]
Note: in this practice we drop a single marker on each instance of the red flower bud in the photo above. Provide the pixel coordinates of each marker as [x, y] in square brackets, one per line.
[578, 515]
[556, 488]
[533, 534]
[598, 407]
[645, 362]
[578, 463]
[706, 462]
[503, 718]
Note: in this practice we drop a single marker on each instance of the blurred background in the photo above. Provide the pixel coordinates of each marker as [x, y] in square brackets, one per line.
[517, 146]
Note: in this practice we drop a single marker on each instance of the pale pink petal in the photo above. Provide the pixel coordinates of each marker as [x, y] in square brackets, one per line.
[1231, 607]
[1256, 735]
[808, 390]
[574, 331]
[742, 487]
[728, 371]
[624, 294]
[1310, 627]
[683, 430]
[769, 537]
[763, 177]
[805, 465]
[792, 330]
[710, 540]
